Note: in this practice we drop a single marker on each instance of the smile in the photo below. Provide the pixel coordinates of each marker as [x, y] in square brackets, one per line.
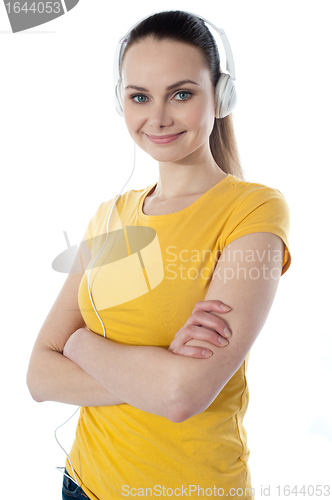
[163, 139]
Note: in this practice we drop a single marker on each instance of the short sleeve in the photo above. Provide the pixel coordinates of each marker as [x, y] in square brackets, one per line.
[265, 209]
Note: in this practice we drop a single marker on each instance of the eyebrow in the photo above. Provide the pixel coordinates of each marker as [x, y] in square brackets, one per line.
[170, 87]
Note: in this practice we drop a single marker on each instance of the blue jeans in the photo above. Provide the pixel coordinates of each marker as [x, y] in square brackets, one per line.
[70, 490]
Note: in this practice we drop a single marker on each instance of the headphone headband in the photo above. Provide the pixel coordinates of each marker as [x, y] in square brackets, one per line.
[123, 42]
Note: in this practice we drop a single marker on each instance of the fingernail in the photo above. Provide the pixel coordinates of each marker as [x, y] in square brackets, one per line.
[225, 308]
[222, 341]
[227, 332]
[206, 353]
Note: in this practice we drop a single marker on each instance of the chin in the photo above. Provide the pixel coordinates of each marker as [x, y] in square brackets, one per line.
[166, 157]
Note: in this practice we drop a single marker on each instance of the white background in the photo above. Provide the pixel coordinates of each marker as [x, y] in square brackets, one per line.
[64, 150]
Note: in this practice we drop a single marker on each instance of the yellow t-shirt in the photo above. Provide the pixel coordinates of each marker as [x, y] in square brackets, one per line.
[145, 283]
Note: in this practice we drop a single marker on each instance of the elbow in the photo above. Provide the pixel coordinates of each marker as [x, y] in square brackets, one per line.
[32, 388]
[187, 400]
[179, 413]
[178, 409]
[178, 417]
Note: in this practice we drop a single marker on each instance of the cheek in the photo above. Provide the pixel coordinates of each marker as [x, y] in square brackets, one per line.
[201, 117]
[134, 125]
[128, 118]
[202, 108]
[129, 114]
[131, 120]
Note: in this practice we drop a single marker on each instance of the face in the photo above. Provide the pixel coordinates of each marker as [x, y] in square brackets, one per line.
[186, 109]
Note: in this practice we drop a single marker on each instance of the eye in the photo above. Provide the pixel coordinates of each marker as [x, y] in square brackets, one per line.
[183, 92]
[137, 95]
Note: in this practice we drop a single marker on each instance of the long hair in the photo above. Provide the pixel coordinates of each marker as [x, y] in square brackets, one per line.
[184, 27]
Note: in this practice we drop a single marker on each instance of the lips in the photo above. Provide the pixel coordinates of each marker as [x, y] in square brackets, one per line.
[163, 136]
[163, 139]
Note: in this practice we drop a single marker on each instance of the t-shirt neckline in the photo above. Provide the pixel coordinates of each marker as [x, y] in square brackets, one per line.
[184, 210]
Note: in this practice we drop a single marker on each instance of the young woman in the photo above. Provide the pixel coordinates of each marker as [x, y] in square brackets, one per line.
[160, 417]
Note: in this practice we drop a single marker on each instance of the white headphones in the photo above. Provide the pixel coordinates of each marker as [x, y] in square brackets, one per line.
[225, 92]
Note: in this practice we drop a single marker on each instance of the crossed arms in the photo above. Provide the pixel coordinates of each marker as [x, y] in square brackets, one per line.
[94, 371]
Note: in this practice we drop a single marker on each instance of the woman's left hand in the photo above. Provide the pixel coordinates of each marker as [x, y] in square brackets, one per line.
[202, 326]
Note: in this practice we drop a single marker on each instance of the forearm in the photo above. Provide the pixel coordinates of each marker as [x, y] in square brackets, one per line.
[143, 376]
[53, 377]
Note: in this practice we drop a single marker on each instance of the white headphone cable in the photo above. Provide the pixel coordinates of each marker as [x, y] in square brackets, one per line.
[105, 244]
[71, 465]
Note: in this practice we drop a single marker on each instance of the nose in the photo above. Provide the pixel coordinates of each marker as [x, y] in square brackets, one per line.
[159, 115]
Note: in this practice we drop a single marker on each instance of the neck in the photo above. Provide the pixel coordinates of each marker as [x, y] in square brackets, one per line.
[185, 178]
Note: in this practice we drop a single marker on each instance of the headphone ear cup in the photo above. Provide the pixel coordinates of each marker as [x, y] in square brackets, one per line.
[225, 96]
[118, 98]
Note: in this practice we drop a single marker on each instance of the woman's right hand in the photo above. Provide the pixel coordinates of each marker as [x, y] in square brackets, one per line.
[214, 331]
